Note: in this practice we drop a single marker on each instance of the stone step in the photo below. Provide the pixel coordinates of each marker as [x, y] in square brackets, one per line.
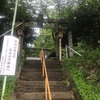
[41, 95]
[33, 61]
[31, 89]
[32, 66]
[39, 85]
[40, 78]
[31, 73]
[30, 96]
[63, 95]
[42, 89]
[50, 74]
[39, 61]
[44, 99]
[53, 66]
[40, 66]
[32, 78]
[40, 69]
[21, 83]
[53, 62]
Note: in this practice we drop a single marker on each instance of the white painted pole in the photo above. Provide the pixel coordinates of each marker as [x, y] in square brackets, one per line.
[57, 46]
[66, 51]
[14, 17]
[74, 51]
[12, 32]
[4, 87]
[60, 50]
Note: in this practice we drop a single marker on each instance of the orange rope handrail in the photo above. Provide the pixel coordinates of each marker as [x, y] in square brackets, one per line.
[44, 73]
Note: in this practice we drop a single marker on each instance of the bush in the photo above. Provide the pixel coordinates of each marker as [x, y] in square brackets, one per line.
[9, 86]
[85, 71]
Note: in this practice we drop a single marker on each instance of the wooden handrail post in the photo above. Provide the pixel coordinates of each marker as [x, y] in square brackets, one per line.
[46, 94]
[40, 57]
[49, 90]
[43, 68]
[44, 73]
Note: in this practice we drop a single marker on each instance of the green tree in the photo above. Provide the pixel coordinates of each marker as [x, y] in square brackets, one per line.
[24, 13]
[45, 39]
[84, 21]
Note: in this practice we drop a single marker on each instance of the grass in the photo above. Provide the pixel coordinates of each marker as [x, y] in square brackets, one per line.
[9, 86]
[87, 89]
[11, 80]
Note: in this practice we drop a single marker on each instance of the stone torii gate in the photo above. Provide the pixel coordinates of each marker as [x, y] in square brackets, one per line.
[58, 26]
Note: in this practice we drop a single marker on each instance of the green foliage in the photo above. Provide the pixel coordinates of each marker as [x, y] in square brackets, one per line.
[45, 39]
[9, 86]
[32, 52]
[85, 71]
[82, 47]
[3, 6]
[84, 21]
[91, 65]
[1, 82]
[24, 13]
[82, 16]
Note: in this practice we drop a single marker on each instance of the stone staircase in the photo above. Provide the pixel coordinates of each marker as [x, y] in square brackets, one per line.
[30, 85]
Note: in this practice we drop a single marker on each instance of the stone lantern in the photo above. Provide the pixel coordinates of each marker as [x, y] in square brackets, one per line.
[20, 32]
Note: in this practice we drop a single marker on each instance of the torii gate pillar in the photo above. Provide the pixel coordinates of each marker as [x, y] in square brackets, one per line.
[20, 34]
[70, 43]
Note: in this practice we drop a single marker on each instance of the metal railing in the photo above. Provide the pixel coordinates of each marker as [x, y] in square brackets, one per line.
[44, 73]
[73, 50]
[10, 29]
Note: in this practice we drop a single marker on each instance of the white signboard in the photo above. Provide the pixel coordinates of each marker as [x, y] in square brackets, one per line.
[9, 56]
